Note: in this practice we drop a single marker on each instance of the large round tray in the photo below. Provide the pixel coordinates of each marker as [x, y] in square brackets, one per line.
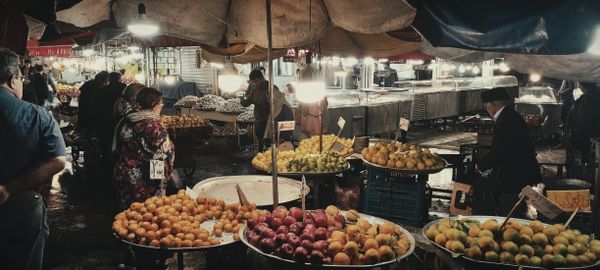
[481, 219]
[254, 187]
[371, 219]
[233, 112]
[408, 171]
[226, 239]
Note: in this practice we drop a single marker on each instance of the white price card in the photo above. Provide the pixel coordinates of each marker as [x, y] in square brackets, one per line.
[341, 122]
[338, 146]
[404, 123]
[541, 203]
[286, 125]
[157, 169]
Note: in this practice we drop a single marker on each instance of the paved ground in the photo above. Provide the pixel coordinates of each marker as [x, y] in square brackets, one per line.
[80, 209]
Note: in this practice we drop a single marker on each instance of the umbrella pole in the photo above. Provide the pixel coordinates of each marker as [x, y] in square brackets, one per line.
[272, 94]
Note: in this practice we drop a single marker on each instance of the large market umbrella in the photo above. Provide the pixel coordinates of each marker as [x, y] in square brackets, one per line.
[294, 23]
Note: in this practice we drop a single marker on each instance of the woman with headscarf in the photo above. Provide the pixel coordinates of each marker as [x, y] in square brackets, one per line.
[125, 105]
[143, 145]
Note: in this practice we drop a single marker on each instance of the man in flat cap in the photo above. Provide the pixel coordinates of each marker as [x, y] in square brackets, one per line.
[512, 155]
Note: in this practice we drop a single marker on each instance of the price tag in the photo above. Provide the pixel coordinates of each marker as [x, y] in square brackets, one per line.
[157, 169]
[569, 200]
[541, 203]
[302, 196]
[341, 122]
[286, 125]
[404, 123]
[338, 146]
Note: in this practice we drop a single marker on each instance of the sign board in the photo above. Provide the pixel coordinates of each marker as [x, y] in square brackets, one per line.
[157, 169]
[458, 202]
[404, 123]
[541, 203]
[286, 125]
[341, 122]
[286, 146]
[569, 200]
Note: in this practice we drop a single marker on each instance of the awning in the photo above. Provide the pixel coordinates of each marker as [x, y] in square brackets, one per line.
[509, 26]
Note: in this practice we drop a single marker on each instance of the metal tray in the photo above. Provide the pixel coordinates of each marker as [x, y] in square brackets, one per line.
[306, 173]
[234, 112]
[254, 186]
[484, 263]
[371, 219]
[226, 239]
[407, 171]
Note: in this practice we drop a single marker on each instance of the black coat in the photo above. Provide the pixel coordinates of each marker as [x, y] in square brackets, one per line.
[39, 85]
[512, 155]
[85, 112]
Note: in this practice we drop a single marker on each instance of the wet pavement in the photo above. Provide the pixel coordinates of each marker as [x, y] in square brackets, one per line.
[81, 209]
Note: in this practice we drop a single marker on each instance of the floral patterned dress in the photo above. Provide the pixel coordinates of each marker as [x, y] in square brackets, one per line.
[142, 138]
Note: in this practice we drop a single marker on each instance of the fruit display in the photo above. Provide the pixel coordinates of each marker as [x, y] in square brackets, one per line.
[187, 100]
[182, 121]
[294, 161]
[519, 242]
[175, 221]
[311, 145]
[402, 156]
[325, 236]
[209, 102]
[232, 105]
[69, 90]
[226, 130]
[246, 116]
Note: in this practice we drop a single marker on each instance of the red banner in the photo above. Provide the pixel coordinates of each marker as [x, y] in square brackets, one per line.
[51, 51]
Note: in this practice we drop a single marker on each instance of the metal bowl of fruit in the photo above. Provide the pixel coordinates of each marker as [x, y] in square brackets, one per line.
[522, 244]
[326, 237]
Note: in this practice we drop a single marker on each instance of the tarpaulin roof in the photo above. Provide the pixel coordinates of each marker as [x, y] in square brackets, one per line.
[510, 26]
[294, 22]
[240, 53]
[583, 67]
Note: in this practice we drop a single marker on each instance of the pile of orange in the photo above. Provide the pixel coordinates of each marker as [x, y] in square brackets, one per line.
[402, 156]
[174, 221]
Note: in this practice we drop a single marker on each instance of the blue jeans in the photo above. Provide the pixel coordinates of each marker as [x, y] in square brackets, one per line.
[23, 231]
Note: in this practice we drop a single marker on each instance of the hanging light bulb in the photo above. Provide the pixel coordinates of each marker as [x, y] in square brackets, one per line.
[310, 87]
[534, 77]
[229, 78]
[142, 26]
[475, 70]
[503, 67]
[461, 68]
[595, 46]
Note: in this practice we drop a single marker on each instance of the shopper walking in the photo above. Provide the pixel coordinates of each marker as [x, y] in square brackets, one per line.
[143, 145]
[39, 85]
[32, 153]
[89, 91]
[512, 157]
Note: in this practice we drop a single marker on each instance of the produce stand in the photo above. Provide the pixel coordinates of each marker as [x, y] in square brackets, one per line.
[227, 117]
[281, 263]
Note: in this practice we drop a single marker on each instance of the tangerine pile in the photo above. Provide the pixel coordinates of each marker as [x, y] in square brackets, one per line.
[402, 156]
[174, 221]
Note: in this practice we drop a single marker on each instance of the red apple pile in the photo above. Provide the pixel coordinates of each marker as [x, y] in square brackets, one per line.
[304, 237]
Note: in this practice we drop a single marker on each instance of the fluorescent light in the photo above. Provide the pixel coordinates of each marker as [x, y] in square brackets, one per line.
[216, 65]
[170, 79]
[535, 77]
[142, 26]
[595, 47]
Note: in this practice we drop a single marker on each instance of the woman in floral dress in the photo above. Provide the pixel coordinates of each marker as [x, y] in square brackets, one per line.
[140, 141]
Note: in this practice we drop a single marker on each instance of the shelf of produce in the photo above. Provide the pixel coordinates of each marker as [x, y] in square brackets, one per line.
[488, 264]
[370, 219]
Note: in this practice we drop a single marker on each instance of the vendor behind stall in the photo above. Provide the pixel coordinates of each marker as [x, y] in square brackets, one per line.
[258, 94]
[512, 155]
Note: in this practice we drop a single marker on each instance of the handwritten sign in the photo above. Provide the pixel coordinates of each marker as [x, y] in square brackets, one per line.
[157, 169]
[404, 123]
[286, 125]
[569, 200]
[541, 203]
[341, 122]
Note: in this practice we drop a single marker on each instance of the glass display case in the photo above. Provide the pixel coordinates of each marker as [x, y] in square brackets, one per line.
[344, 98]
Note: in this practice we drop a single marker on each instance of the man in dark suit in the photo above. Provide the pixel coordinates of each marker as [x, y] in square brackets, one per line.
[39, 85]
[512, 155]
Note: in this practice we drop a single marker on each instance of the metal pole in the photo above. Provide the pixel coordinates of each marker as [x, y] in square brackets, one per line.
[272, 93]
